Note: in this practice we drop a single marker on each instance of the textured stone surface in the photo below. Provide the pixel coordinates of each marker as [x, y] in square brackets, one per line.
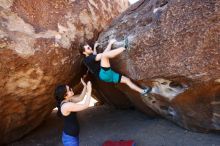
[124, 123]
[173, 47]
[38, 49]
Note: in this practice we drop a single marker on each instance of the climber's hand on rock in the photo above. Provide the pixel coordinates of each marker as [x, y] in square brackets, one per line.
[96, 44]
[112, 41]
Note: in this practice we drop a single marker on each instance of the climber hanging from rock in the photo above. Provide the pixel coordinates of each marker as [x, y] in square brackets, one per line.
[99, 65]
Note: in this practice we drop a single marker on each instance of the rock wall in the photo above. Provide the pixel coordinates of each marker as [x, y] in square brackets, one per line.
[39, 43]
[174, 48]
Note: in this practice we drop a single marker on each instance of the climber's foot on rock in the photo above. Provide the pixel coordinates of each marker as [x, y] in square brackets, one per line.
[146, 91]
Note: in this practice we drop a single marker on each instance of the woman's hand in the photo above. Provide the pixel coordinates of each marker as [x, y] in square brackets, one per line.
[89, 87]
[83, 82]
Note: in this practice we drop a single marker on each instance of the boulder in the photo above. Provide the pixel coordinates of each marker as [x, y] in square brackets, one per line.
[39, 43]
[173, 46]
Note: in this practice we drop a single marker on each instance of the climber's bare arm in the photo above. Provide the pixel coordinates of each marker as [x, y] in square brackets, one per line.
[78, 98]
[94, 49]
[68, 107]
[108, 48]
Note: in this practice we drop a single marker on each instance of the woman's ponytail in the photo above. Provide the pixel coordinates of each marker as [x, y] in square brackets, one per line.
[59, 94]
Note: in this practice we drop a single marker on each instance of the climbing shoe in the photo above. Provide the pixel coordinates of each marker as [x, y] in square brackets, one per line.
[146, 91]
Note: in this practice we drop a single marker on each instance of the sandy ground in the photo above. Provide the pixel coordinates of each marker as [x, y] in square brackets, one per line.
[101, 123]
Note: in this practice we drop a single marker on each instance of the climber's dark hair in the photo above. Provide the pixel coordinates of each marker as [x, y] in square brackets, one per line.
[59, 94]
[81, 47]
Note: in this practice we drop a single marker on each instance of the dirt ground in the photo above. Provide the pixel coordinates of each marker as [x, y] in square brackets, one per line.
[102, 123]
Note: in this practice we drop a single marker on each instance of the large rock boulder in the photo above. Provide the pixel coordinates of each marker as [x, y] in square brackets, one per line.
[39, 43]
[173, 47]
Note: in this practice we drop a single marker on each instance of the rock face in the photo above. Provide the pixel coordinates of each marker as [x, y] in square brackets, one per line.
[39, 43]
[173, 47]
